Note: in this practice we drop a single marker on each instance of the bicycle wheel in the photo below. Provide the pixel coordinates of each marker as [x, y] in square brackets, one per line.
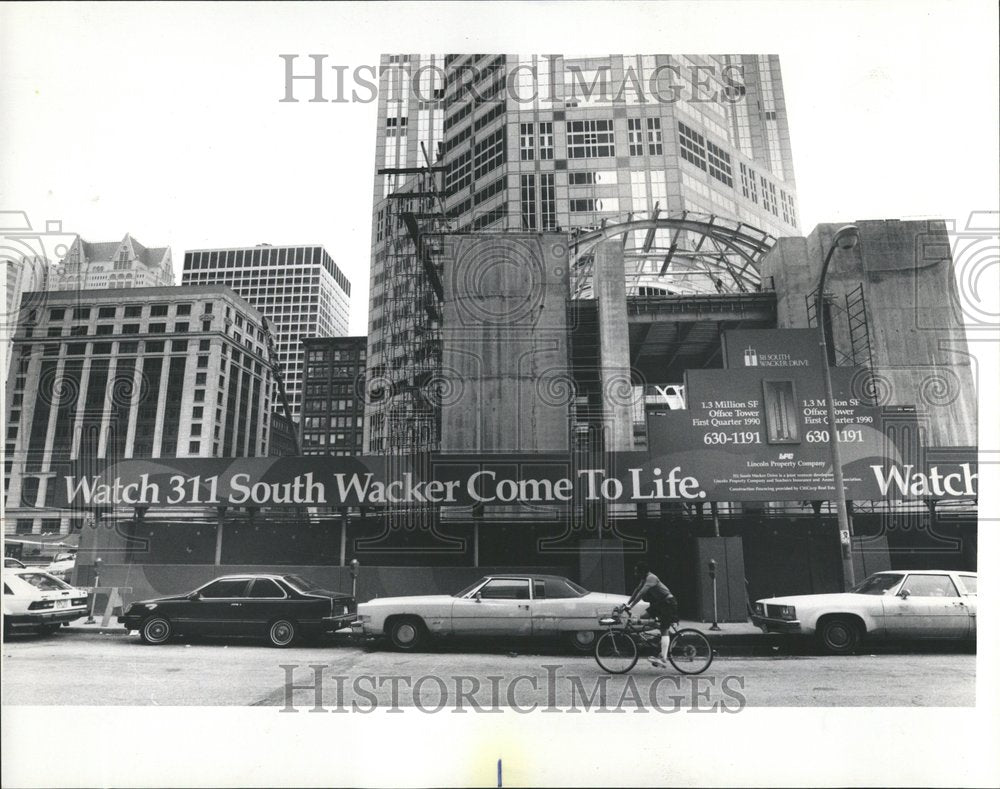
[616, 652]
[690, 651]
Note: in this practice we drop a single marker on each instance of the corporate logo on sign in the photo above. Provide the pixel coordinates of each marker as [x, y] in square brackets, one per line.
[751, 358]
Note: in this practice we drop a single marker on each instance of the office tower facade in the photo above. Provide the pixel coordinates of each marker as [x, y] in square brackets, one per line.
[111, 264]
[104, 375]
[299, 289]
[546, 143]
[333, 409]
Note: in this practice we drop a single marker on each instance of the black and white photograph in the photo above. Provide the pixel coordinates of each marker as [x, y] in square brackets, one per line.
[377, 413]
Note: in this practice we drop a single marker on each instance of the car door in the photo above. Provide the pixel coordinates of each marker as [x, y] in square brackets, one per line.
[265, 602]
[927, 605]
[218, 608]
[500, 607]
[970, 588]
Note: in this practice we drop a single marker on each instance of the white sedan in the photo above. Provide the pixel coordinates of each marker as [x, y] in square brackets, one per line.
[895, 604]
[515, 605]
[33, 598]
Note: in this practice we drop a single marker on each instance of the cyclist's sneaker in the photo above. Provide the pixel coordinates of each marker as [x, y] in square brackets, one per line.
[658, 662]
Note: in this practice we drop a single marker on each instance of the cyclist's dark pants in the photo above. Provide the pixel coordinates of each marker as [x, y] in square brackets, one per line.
[665, 612]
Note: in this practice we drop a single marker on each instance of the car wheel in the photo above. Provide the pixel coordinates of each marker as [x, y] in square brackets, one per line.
[156, 630]
[839, 635]
[282, 632]
[582, 641]
[407, 633]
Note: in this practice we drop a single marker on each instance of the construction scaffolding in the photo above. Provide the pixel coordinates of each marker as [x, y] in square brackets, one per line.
[850, 313]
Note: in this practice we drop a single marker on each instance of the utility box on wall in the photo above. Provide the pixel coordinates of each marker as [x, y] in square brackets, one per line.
[730, 578]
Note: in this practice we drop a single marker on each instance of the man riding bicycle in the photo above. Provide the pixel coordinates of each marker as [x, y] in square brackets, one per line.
[662, 607]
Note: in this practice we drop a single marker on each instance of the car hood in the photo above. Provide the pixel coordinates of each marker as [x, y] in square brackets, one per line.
[833, 598]
[427, 599]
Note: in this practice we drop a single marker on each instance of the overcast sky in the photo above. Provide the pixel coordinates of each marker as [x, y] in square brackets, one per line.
[164, 120]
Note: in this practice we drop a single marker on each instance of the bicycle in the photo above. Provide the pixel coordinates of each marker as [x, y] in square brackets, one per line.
[617, 650]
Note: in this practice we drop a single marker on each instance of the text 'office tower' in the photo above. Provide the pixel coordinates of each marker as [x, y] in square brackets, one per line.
[494, 143]
[299, 289]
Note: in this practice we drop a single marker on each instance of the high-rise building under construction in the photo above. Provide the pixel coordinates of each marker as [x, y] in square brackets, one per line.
[492, 143]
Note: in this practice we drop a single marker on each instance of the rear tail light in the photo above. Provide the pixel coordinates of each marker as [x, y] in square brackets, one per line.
[38, 605]
[79, 601]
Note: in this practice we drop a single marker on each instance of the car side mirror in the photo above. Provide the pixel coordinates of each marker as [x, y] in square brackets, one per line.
[194, 596]
[904, 593]
[479, 597]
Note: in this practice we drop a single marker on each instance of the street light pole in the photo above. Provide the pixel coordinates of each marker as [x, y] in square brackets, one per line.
[845, 238]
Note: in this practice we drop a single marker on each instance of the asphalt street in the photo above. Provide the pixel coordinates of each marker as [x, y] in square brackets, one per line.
[94, 667]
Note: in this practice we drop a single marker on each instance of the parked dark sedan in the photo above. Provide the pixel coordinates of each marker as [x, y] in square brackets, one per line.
[278, 607]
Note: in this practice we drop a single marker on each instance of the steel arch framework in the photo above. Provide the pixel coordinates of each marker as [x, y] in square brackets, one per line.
[676, 254]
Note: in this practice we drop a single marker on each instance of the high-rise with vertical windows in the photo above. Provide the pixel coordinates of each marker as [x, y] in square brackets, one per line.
[333, 408]
[104, 375]
[299, 289]
[542, 143]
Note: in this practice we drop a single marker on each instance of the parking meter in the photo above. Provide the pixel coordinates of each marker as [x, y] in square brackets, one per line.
[355, 569]
[712, 565]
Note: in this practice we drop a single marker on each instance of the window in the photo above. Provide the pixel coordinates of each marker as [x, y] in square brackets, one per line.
[206, 325]
[194, 447]
[265, 587]
[557, 589]
[197, 412]
[635, 136]
[919, 585]
[505, 589]
[78, 331]
[181, 327]
[490, 153]
[654, 136]
[57, 314]
[528, 221]
[158, 311]
[130, 328]
[527, 142]
[24, 526]
[183, 309]
[50, 525]
[692, 146]
[81, 313]
[719, 164]
[545, 140]
[105, 329]
[204, 345]
[107, 312]
[582, 204]
[224, 587]
[548, 201]
[179, 345]
[969, 582]
[589, 139]
[133, 311]
[157, 328]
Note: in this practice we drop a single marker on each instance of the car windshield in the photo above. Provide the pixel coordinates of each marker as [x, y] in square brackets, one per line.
[299, 583]
[44, 582]
[468, 589]
[878, 584]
